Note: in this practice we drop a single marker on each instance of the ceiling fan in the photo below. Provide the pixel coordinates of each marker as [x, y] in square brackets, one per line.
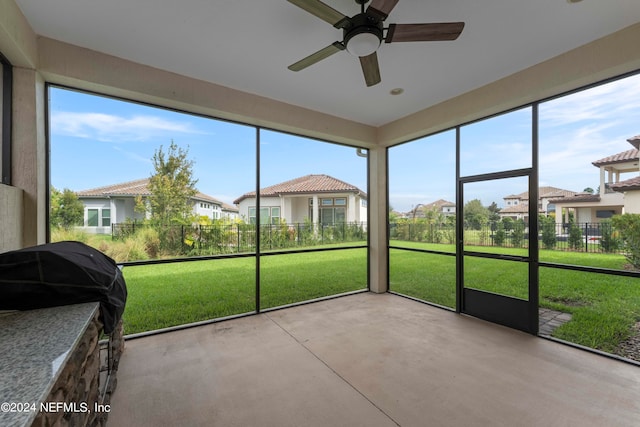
[364, 32]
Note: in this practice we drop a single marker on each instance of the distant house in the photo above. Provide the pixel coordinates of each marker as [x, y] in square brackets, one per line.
[115, 203]
[616, 196]
[317, 198]
[440, 206]
[516, 206]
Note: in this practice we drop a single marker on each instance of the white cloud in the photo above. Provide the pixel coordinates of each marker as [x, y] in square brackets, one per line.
[112, 128]
[613, 101]
[581, 128]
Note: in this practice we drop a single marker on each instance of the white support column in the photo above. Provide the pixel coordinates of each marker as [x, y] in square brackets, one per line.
[316, 210]
[377, 226]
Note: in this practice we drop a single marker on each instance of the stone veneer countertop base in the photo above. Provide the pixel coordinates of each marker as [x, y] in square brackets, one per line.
[34, 347]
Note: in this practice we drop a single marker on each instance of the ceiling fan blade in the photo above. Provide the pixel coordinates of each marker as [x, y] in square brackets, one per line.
[381, 8]
[423, 32]
[322, 11]
[370, 69]
[317, 57]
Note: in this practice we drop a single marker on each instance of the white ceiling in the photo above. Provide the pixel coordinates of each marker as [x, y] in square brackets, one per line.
[247, 45]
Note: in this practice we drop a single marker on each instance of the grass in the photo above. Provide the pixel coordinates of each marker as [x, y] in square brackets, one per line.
[604, 307]
[164, 295]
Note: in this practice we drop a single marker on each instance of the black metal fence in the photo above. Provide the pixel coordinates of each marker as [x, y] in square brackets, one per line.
[238, 238]
[584, 237]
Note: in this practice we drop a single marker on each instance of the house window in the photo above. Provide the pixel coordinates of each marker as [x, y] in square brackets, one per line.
[275, 215]
[92, 217]
[268, 215]
[605, 214]
[332, 211]
[106, 217]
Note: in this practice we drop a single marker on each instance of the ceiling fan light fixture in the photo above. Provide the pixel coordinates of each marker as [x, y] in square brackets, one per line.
[363, 44]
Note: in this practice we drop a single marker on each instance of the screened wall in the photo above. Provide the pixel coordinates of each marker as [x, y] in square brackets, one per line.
[536, 205]
[208, 218]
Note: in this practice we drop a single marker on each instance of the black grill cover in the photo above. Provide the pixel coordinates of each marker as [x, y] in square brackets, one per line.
[62, 273]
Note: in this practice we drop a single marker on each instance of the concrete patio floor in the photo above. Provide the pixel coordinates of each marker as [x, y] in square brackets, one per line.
[368, 360]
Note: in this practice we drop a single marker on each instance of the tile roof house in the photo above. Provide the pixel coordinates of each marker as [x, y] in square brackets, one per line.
[115, 203]
[517, 205]
[616, 196]
[319, 198]
[442, 206]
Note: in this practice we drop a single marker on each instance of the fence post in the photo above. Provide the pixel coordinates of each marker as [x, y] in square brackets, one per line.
[586, 237]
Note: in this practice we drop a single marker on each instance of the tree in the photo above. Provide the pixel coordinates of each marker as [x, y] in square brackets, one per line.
[172, 186]
[508, 222]
[629, 227]
[66, 209]
[493, 212]
[588, 190]
[475, 215]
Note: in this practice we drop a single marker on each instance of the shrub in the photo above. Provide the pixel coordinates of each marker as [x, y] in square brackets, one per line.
[609, 237]
[629, 227]
[150, 239]
[500, 235]
[517, 235]
[548, 227]
[129, 249]
[449, 234]
[59, 234]
[575, 239]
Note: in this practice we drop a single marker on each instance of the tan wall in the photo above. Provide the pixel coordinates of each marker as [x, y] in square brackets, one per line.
[632, 202]
[82, 68]
[10, 218]
[29, 152]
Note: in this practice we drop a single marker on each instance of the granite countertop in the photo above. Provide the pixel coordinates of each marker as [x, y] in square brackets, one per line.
[34, 347]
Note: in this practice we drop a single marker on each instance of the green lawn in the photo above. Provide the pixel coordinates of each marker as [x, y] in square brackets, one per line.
[164, 295]
[604, 307]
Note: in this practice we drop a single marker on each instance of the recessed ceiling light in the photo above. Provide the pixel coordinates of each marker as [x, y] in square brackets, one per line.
[396, 91]
[574, 1]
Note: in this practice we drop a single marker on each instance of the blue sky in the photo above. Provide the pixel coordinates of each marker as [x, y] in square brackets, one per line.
[97, 141]
[574, 131]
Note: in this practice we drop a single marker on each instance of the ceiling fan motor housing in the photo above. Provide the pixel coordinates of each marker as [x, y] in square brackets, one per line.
[361, 30]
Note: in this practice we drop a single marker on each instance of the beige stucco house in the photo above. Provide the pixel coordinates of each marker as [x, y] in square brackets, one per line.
[616, 195]
[317, 198]
[440, 206]
[516, 206]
